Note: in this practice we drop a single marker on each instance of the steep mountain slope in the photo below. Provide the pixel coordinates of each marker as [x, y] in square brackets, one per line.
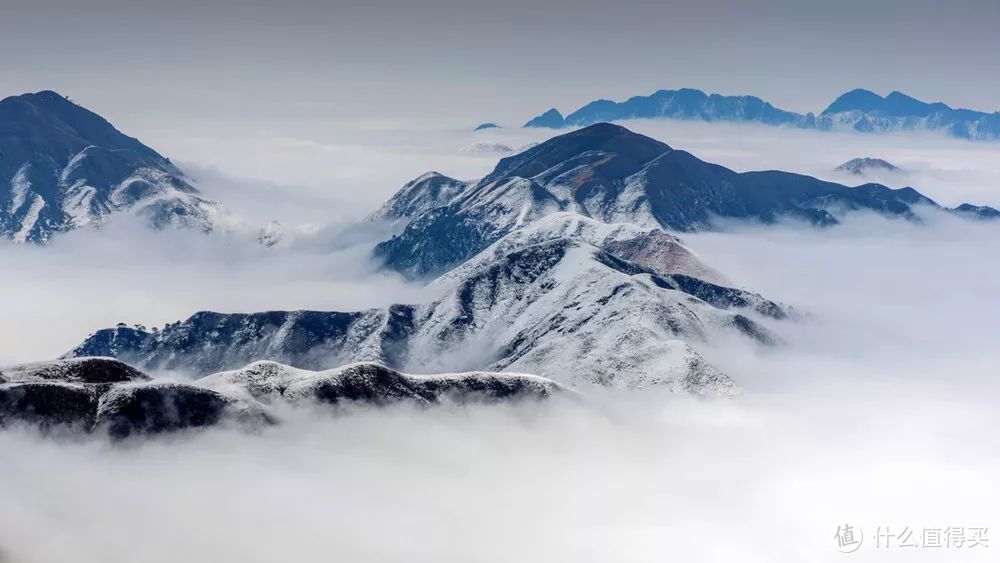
[106, 395]
[424, 193]
[543, 300]
[859, 109]
[649, 248]
[63, 167]
[611, 174]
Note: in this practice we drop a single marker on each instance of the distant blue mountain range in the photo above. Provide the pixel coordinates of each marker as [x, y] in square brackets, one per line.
[860, 110]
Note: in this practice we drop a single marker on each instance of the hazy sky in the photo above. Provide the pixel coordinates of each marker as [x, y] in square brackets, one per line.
[144, 63]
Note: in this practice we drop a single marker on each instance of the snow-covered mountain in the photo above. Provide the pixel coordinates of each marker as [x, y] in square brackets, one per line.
[558, 263]
[566, 297]
[865, 166]
[106, 395]
[611, 174]
[63, 167]
[860, 110]
[271, 382]
[866, 111]
[424, 193]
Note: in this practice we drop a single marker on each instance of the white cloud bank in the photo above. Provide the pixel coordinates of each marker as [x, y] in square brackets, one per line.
[52, 297]
[764, 479]
[880, 409]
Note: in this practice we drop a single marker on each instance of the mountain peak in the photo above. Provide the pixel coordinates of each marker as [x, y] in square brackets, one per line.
[901, 105]
[52, 123]
[551, 119]
[858, 99]
[629, 149]
[864, 165]
[42, 95]
[596, 135]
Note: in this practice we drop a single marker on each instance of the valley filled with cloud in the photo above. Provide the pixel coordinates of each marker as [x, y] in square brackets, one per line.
[876, 407]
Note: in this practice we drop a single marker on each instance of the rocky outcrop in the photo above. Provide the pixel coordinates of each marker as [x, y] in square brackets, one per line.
[106, 396]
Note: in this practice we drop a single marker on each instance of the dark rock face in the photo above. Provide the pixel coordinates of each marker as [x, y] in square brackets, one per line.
[104, 394]
[611, 174]
[60, 393]
[50, 397]
[93, 370]
[155, 408]
[724, 297]
[47, 405]
[63, 167]
[371, 383]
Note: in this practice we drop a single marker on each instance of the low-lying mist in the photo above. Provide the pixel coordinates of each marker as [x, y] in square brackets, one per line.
[54, 296]
[878, 410]
[765, 478]
[880, 300]
[358, 165]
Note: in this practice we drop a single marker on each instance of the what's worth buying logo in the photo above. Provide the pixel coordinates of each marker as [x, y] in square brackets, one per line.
[849, 539]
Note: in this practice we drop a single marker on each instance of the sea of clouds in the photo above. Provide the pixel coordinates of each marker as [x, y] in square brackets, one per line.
[878, 410]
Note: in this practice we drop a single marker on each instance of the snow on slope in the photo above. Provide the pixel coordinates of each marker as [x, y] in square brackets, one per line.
[613, 175]
[650, 248]
[64, 167]
[419, 195]
[535, 302]
[106, 395]
[270, 382]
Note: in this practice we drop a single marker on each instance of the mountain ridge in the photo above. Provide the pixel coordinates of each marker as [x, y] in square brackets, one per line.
[858, 110]
[106, 396]
[550, 299]
[609, 173]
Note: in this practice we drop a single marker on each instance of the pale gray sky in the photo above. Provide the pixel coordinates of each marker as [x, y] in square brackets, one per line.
[144, 63]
